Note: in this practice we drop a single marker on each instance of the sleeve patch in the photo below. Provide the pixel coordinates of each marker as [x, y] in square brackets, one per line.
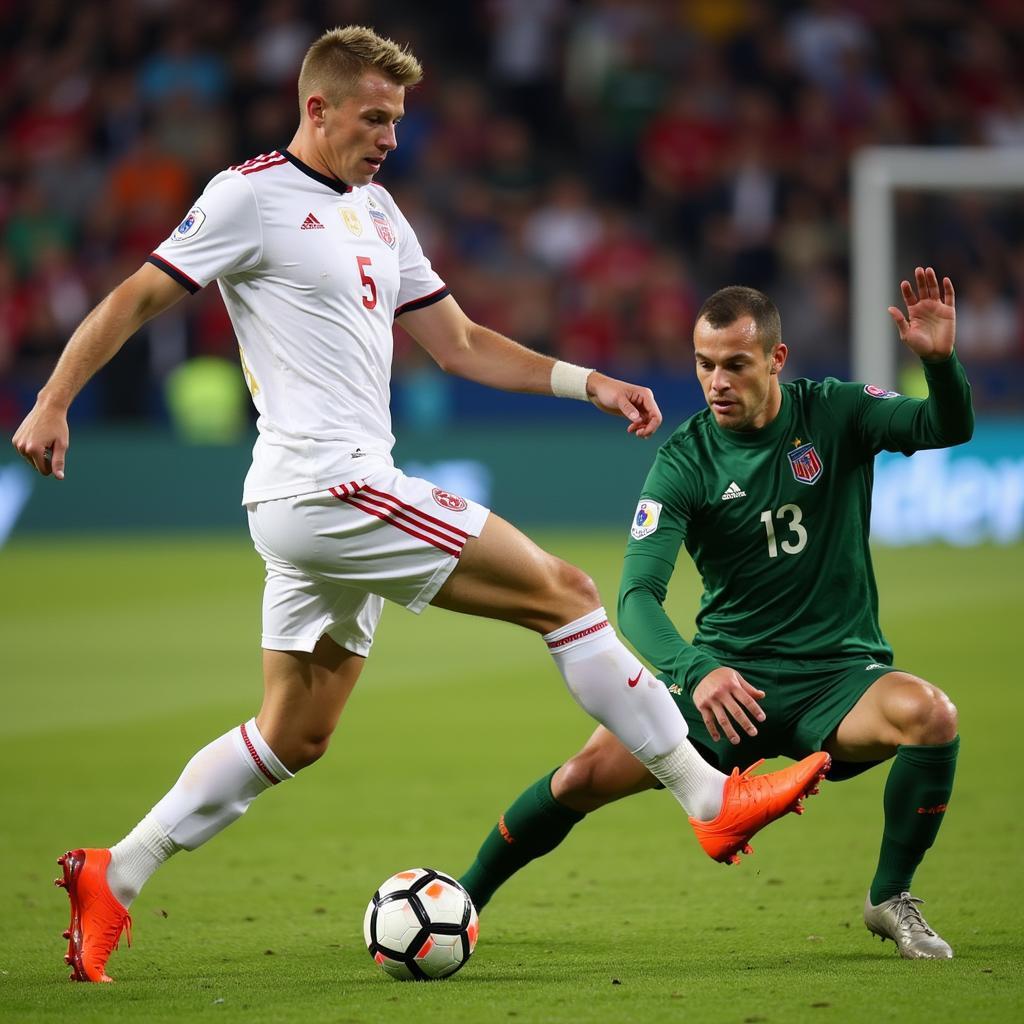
[876, 392]
[645, 519]
[189, 226]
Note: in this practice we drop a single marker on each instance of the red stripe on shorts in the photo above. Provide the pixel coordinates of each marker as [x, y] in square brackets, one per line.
[596, 628]
[413, 516]
[422, 515]
[274, 780]
[344, 490]
[410, 526]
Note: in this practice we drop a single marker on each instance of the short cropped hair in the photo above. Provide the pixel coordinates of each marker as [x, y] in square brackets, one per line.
[727, 305]
[334, 64]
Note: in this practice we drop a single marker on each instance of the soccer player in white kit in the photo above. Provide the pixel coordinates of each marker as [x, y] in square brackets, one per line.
[314, 263]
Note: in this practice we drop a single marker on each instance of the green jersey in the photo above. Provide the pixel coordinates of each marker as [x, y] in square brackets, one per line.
[776, 521]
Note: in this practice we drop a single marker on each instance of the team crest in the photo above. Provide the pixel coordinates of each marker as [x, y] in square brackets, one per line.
[876, 392]
[450, 501]
[805, 463]
[645, 519]
[383, 226]
[189, 226]
[351, 219]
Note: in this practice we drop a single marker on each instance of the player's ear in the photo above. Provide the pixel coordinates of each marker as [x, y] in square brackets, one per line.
[778, 358]
[315, 108]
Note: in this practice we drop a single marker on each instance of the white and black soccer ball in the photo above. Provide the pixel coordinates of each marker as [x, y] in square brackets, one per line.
[420, 925]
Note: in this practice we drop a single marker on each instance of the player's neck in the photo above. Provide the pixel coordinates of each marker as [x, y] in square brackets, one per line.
[771, 409]
[303, 147]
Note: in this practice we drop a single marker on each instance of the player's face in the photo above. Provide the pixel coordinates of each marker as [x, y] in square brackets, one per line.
[359, 132]
[740, 380]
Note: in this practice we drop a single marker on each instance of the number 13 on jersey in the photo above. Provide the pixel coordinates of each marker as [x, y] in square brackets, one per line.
[796, 537]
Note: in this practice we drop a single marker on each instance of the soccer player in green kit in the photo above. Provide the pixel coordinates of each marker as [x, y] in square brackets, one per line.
[769, 490]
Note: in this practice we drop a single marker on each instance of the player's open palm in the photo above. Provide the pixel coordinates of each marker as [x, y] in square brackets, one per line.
[929, 328]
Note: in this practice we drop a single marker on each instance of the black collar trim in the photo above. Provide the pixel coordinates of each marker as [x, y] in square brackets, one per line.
[336, 183]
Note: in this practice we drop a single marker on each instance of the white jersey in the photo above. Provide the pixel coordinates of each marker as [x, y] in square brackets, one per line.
[312, 273]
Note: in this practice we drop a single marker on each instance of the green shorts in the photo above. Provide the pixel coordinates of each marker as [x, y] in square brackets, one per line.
[804, 703]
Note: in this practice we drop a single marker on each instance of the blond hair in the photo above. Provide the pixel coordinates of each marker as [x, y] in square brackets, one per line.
[334, 64]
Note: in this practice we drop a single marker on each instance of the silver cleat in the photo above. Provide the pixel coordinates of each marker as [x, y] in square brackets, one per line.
[900, 920]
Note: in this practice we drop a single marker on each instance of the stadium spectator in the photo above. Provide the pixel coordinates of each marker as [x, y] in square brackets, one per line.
[565, 225]
[988, 324]
[199, 83]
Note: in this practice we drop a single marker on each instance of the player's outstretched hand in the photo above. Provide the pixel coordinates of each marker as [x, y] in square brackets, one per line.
[619, 398]
[929, 328]
[723, 697]
[42, 440]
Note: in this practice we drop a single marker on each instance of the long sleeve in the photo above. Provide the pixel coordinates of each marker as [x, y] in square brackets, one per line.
[644, 622]
[943, 419]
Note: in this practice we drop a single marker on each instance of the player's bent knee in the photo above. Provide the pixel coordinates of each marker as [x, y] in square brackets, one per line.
[299, 752]
[929, 716]
[574, 780]
[577, 786]
[576, 590]
[945, 721]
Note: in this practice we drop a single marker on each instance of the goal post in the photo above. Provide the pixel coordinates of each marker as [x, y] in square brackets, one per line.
[876, 174]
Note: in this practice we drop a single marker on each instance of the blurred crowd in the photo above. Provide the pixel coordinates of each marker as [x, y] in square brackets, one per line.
[581, 172]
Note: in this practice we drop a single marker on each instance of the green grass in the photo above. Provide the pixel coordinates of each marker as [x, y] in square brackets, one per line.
[119, 659]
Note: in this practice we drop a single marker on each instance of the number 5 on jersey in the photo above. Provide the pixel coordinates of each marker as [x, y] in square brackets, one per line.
[795, 530]
[369, 301]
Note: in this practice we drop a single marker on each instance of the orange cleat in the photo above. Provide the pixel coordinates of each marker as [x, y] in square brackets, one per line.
[97, 917]
[749, 802]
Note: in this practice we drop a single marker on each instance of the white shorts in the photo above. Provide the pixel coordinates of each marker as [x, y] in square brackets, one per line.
[333, 556]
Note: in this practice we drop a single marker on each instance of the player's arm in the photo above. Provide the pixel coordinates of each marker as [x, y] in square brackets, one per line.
[467, 349]
[946, 416]
[722, 696]
[42, 438]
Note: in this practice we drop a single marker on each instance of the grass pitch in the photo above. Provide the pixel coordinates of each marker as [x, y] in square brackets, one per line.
[118, 659]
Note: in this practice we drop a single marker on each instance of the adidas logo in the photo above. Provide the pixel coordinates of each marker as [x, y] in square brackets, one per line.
[311, 223]
[733, 491]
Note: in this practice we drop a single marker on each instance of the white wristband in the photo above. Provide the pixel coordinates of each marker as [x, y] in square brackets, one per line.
[570, 381]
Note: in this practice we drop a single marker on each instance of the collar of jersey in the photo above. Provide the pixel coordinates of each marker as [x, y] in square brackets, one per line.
[335, 183]
[764, 435]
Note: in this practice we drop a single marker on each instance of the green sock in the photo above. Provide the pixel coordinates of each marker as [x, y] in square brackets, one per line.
[534, 825]
[916, 794]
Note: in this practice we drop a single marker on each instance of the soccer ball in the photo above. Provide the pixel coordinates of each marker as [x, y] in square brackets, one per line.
[420, 925]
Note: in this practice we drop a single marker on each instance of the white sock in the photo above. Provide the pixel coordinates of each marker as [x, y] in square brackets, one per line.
[696, 784]
[136, 857]
[612, 686]
[215, 789]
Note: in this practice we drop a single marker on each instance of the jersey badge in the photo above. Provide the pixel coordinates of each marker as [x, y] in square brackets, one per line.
[351, 219]
[311, 223]
[805, 463]
[383, 226]
[646, 518]
[450, 501]
[733, 491]
[189, 226]
[876, 392]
